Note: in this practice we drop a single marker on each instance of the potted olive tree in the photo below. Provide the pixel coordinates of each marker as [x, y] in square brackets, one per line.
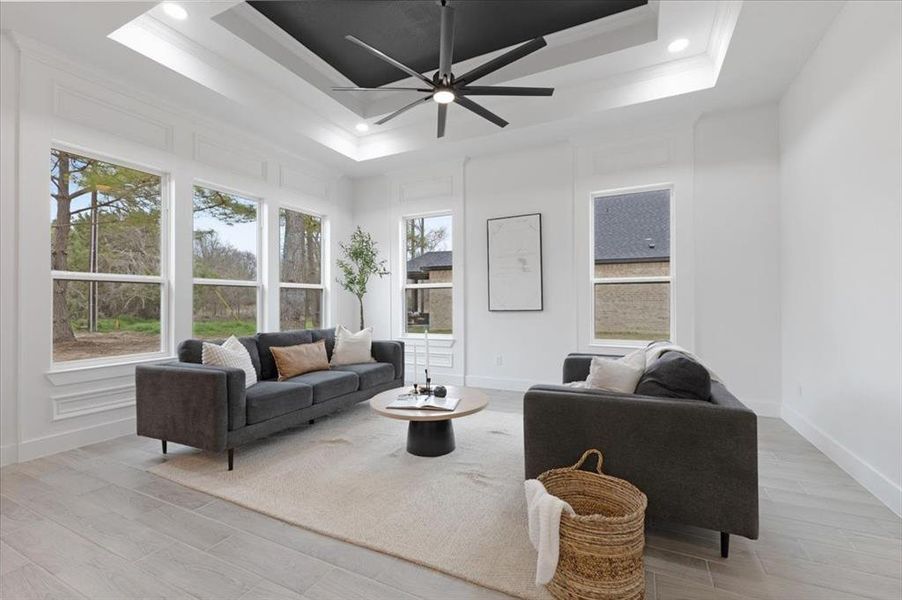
[359, 261]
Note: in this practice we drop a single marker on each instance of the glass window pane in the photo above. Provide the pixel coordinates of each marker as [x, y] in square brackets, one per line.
[428, 309]
[632, 311]
[300, 309]
[224, 310]
[104, 218]
[632, 229]
[93, 319]
[225, 236]
[429, 249]
[300, 247]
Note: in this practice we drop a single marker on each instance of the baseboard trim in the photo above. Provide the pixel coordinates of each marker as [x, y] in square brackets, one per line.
[764, 408]
[873, 480]
[500, 383]
[9, 454]
[439, 379]
[69, 440]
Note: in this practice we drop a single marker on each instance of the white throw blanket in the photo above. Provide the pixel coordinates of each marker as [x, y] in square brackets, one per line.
[544, 512]
[654, 351]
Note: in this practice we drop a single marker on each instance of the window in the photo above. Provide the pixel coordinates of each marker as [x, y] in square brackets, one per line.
[300, 270]
[105, 258]
[429, 275]
[631, 266]
[225, 264]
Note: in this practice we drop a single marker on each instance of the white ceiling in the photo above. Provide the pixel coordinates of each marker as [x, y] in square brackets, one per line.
[604, 72]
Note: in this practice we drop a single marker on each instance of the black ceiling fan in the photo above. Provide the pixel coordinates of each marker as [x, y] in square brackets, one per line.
[444, 88]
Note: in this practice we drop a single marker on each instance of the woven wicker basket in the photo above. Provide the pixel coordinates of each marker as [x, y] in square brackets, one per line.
[601, 546]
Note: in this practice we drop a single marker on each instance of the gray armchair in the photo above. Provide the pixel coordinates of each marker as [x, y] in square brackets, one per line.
[696, 461]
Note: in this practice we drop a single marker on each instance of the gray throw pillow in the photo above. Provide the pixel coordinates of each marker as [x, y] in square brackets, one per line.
[675, 375]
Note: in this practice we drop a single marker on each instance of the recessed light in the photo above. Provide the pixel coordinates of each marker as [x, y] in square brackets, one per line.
[443, 96]
[175, 11]
[678, 45]
[362, 127]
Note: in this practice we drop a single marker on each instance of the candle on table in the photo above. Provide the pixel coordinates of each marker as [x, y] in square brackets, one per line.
[414, 363]
[426, 335]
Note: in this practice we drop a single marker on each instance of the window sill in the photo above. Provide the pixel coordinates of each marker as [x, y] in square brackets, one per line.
[621, 347]
[91, 370]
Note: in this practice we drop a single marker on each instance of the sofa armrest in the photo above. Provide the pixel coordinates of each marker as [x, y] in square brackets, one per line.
[190, 404]
[696, 461]
[390, 351]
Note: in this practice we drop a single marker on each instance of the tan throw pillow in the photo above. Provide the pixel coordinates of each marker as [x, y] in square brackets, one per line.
[303, 358]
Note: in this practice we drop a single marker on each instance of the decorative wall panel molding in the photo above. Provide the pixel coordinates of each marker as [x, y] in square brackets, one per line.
[67, 406]
[435, 187]
[226, 156]
[632, 155]
[444, 360]
[98, 114]
[99, 372]
[309, 185]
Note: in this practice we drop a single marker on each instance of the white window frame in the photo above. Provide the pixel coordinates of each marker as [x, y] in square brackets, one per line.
[162, 279]
[321, 286]
[423, 286]
[593, 280]
[255, 283]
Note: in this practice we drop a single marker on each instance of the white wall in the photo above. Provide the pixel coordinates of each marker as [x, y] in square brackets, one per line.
[721, 196]
[529, 345]
[737, 251]
[841, 211]
[9, 91]
[47, 408]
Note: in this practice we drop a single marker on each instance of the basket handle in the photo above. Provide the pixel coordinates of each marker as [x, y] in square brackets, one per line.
[586, 455]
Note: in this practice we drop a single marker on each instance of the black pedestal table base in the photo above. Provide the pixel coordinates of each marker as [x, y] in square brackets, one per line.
[430, 438]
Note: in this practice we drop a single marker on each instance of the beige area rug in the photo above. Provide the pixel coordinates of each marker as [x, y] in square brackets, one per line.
[350, 477]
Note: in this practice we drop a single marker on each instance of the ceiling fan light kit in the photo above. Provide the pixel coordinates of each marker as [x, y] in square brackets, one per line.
[443, 96]
[444, 88]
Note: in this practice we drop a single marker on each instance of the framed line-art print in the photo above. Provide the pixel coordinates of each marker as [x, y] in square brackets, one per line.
[514, 247]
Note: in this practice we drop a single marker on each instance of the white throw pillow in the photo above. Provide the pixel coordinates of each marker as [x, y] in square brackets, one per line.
[233, 354]
[617, 375]
[352, 348]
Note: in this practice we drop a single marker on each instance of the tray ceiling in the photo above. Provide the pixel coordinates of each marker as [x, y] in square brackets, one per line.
[409, 31]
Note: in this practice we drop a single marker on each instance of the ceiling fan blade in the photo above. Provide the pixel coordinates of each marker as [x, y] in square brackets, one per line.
[380, 89]
[502, 61]
[479, 110]
[403, 109]
[389, 60]
[442, 119]
[500, 90]
[447, 42]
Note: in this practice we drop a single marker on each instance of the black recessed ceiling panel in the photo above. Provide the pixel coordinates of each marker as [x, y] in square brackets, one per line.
[409, 30]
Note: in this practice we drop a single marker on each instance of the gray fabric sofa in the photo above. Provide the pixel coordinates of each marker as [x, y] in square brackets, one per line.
[697, 461]
[208, 407]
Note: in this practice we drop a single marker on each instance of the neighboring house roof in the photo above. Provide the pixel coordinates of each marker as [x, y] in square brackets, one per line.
[632, 227]
[436, 260]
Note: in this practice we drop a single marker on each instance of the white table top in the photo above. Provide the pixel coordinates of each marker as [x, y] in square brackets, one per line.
[471, 401]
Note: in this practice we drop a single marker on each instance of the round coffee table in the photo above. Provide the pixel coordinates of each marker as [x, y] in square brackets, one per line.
[429, 432]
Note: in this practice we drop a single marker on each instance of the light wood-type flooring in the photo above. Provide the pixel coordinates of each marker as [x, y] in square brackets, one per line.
[93, 523]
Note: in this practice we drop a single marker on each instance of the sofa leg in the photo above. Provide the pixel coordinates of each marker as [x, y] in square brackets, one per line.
[164, 446]
[231, 458]
[724, 544]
